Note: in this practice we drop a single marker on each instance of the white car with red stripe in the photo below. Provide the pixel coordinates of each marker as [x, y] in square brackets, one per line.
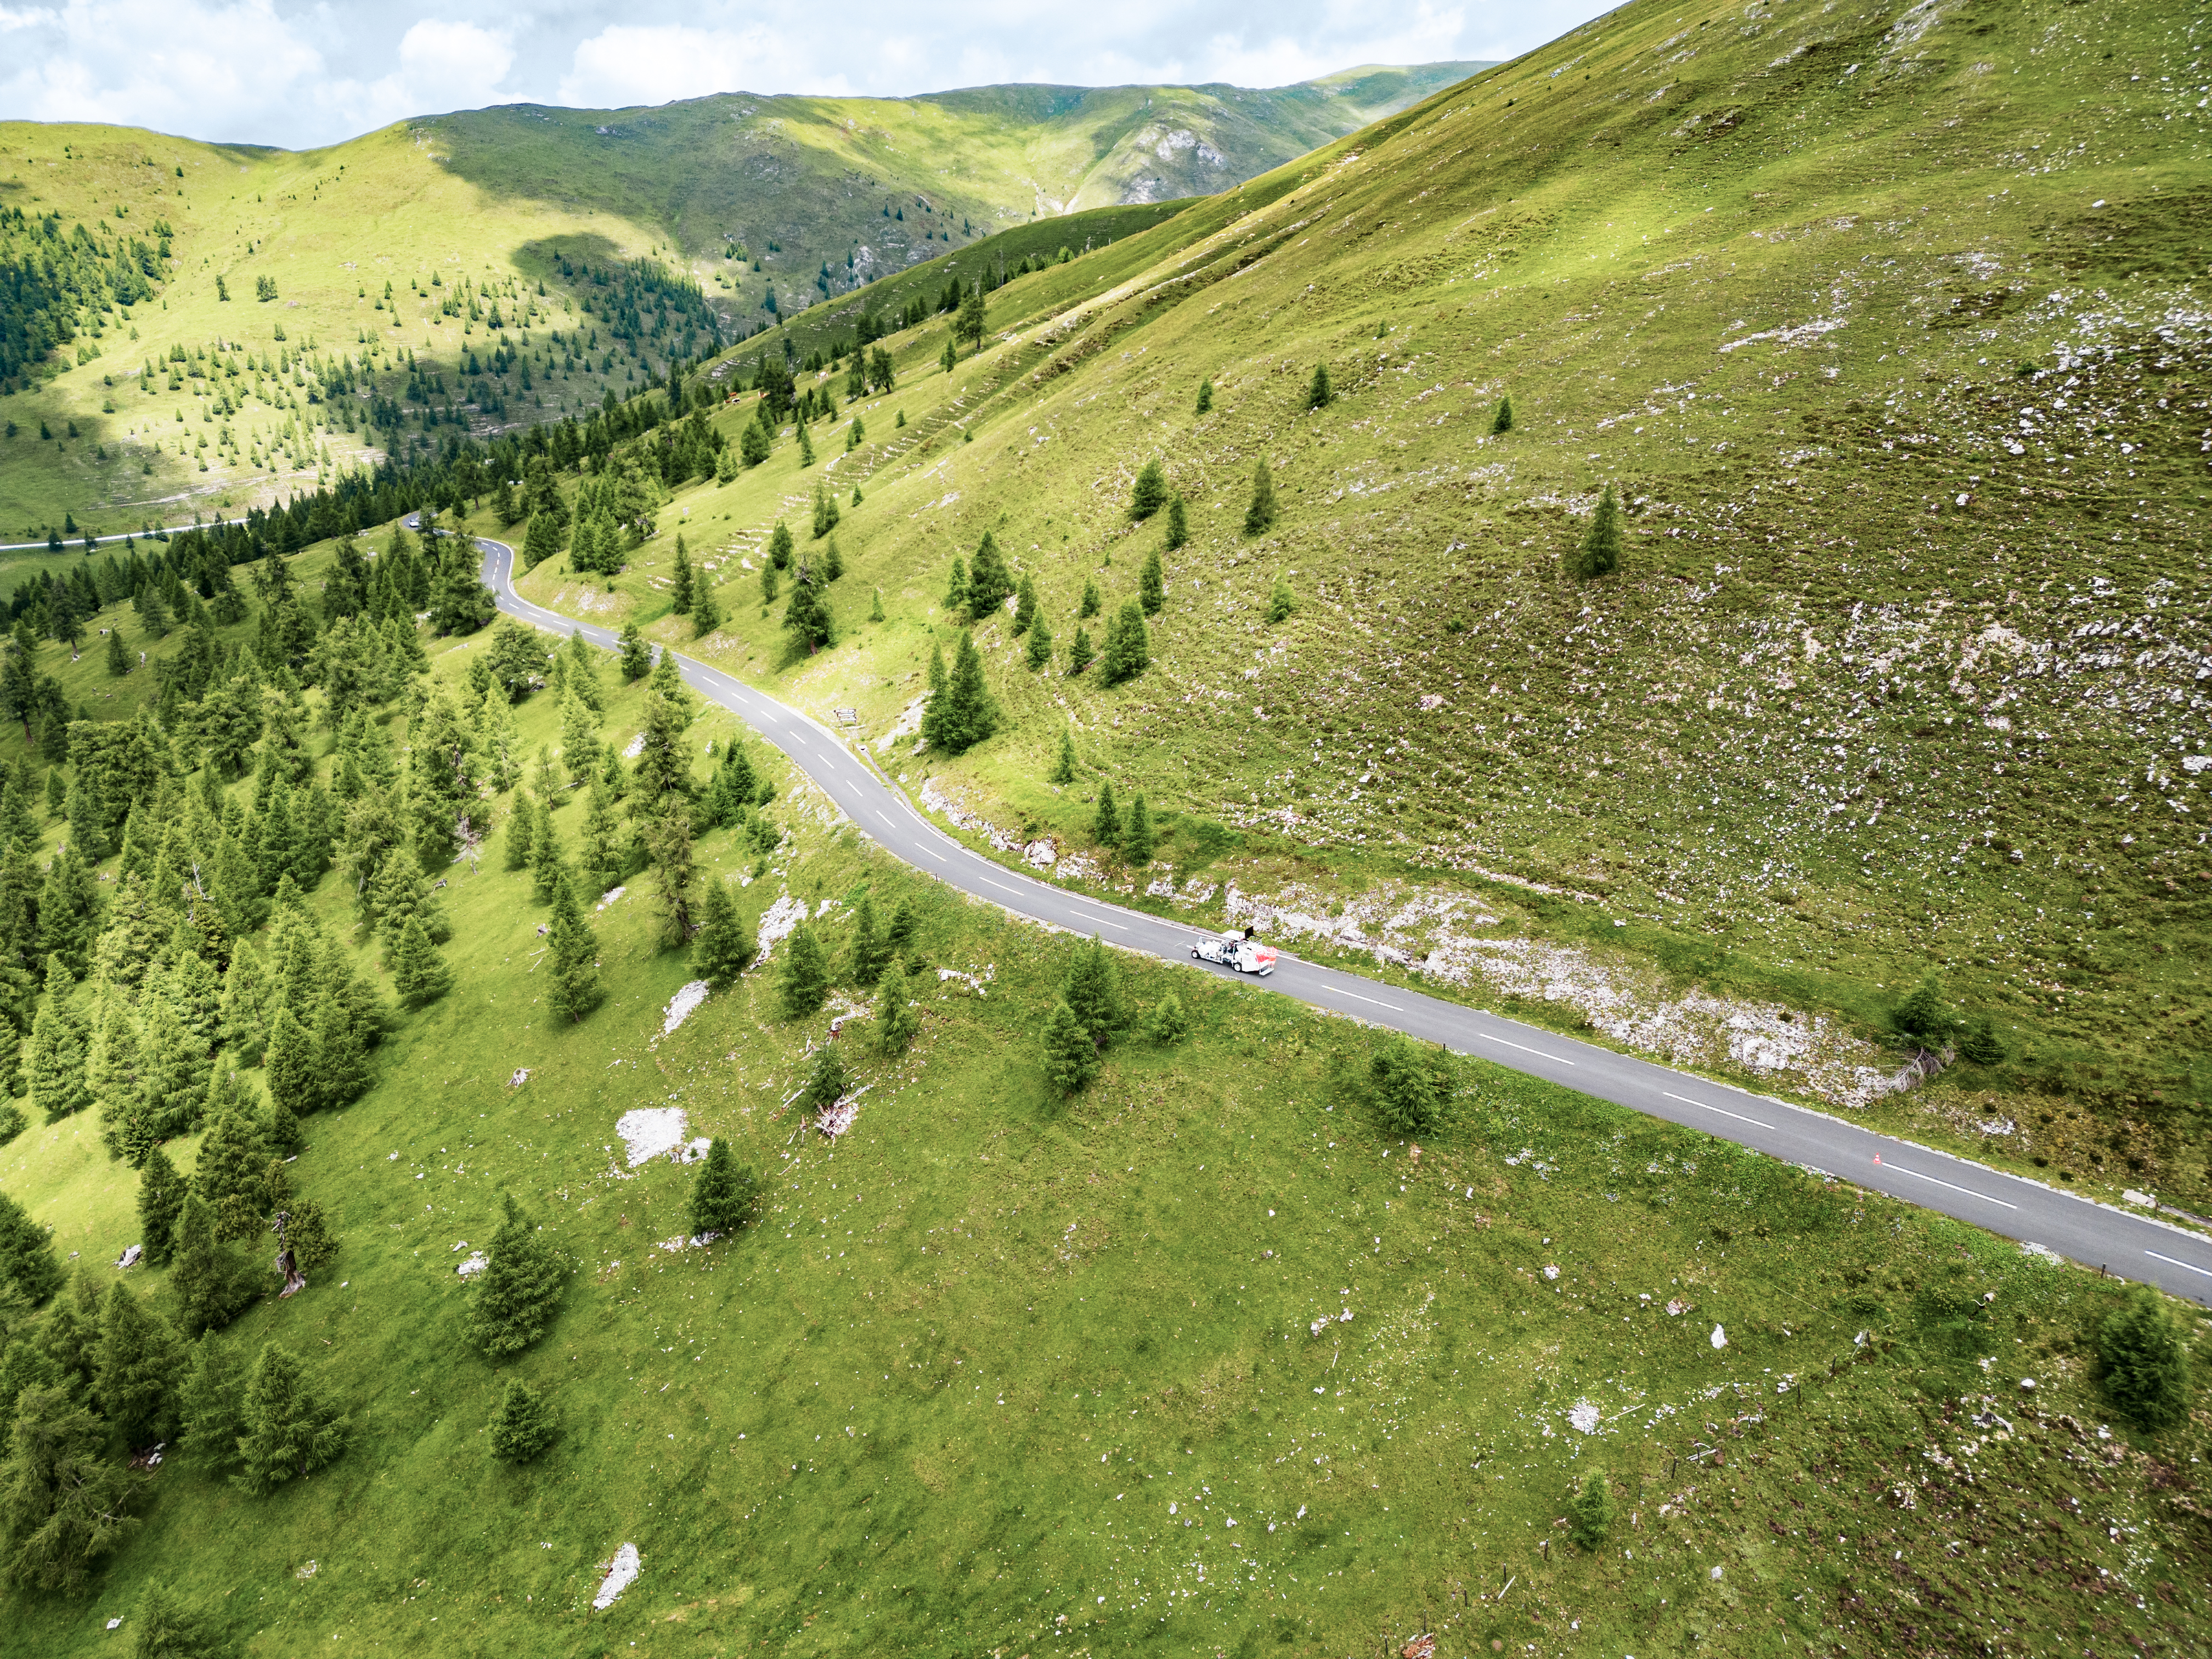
[1235, 950]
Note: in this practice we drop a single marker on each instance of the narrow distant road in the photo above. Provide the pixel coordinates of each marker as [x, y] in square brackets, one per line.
[2132, 1246]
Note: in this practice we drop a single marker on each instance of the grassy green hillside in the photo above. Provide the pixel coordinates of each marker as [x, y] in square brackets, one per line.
[1201, 1358]
[668, 224]
[1899, 674]
[1885, 332]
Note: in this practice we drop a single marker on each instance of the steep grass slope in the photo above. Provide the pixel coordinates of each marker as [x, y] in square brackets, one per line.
[1887, 327]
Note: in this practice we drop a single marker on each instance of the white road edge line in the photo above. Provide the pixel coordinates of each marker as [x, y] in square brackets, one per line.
[1968, 1191]
[1508, 1042]
[1722, 1110]
[1356, 997]
[2191, 1266]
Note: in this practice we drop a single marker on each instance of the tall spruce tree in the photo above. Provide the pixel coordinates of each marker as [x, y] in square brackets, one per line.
[1152, 584]
[518, 1293]
[1091, 603]
[723, 947]
[1280, 601]
[1150, 493]
[161, 1198]
[1503, 421]
[1106, 822]
[419, 974]
[963, 714]
[1026, 605]
[54, 1062]
[27, 1254]
[989, 582]
[1319, 394]
[63, 1507]
[209, 1280]
[1070, 1056]
[803, 984]
[895, 1019]
[1063, 765]
[1178, 523]
[135, 1378]
[2142, 1357]
[1599, 552]
[1137, 842]
[1093, 989]
[211, 1403]
[680, 594]
[576, 951]
[290, 1430]
[1128, 650]
[1259, 515]
[636, 656]
[722, 1192]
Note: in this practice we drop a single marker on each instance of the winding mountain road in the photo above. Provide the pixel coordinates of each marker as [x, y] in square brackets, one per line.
[2131, 1246]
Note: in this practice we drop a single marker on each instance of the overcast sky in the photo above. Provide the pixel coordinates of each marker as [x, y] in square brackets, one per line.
[299, 75]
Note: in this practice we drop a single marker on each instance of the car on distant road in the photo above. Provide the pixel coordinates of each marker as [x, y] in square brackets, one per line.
[1246, 956]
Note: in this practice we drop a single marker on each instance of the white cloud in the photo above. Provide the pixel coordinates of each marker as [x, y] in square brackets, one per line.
[219, 71]
[626, 64]
[442, 66]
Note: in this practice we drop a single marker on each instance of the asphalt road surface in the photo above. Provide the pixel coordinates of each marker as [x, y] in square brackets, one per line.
[2131, 1246]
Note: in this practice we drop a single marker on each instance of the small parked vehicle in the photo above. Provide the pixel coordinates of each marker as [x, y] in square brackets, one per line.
[1246, 956]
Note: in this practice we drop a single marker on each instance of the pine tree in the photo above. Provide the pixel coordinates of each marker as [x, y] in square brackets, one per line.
[1168, 1024]
[936, 679]
[1591, 1512]
[1063, 767]
[63, 1506]
[1128, 650]
[868, 952]
[1921, 1017]
[1319, 392]
[1080, 654]
[876, 610]
[242, 1019]
[904, 925]
[294, 1064]
[2142, 1357]
[546, 866]
[1409, 1090]
[667, 837]
[1150, 493]
[946, 358]
[1280, 601]
[419, 974]
[963, 714]
[166, 1628]
[27, 1254]
[1599, 553]
[806, 447]
[209, 1279]
[989, 582]
[1136, 843]
[1980, 1046]
[161, 1197]
[722, 1192]
[1071, 1057]
[826, 1083]
[521, 836]
[1178, 523]
[1259, 516]
[212, 1404]
[518, 1291]
[636, 655]
[228, 1178]
[833, 561]
[1040, 651]
[679, 599]
[290, 1432]
[803, 984]
[1205, 396]
[1152, 584]
[1503, 422]
[135, 1370]
[895, 1019]
[769, 587]
[575, 949]
[118, 659]
[1026, 605]
[54, 1059]
[1106, 822]
[723, 948]
[1091, 602]
[1093, 989]
[522, 1427]
[780, 545]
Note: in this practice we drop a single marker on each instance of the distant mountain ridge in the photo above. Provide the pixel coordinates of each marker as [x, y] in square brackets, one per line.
[821, 176]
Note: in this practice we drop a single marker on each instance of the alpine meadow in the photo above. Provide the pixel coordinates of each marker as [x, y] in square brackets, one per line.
[1687, 547]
